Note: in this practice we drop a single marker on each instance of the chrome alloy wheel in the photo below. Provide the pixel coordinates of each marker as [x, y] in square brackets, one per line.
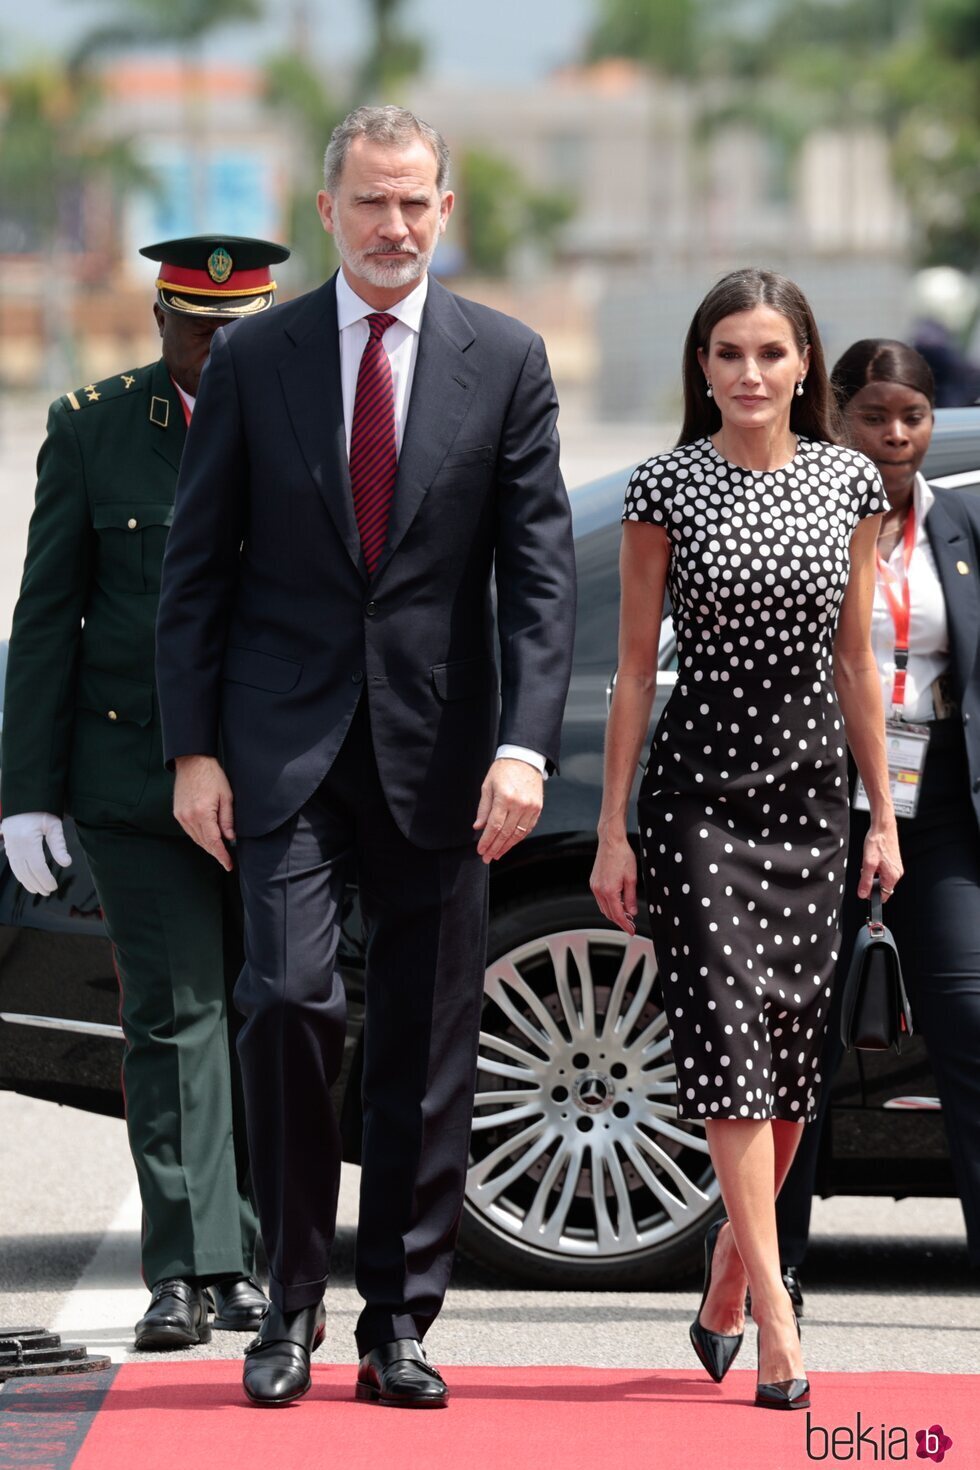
[577, 1151]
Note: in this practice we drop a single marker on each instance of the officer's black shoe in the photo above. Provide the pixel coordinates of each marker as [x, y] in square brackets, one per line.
[177, 1317]
[791, 1281]
[277, 1362]
[239, 1304]
[398, 1375]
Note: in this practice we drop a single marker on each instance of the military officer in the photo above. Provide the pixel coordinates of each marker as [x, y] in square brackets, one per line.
[82, 735]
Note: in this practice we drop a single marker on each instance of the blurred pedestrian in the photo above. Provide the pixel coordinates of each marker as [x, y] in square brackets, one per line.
[925, 630]
[763, 529]
[82, 735]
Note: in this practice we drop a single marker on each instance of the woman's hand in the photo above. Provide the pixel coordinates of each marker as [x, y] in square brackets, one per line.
[881, 856]
[613, 881]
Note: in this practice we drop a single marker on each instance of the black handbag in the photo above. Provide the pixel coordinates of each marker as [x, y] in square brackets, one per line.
[875, 1012]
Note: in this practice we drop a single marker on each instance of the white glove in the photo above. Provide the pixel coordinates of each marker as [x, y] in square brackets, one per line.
[22, 836]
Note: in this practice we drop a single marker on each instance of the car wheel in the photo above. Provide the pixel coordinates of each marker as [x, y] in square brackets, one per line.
[580, 1173]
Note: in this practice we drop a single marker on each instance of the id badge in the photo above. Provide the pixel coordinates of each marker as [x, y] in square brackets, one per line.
[906, 747]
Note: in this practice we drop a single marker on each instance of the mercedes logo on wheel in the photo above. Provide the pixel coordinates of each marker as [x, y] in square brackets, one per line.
[594, 1092]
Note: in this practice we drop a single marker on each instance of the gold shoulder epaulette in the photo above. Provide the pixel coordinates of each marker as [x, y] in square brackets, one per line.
[116, 386]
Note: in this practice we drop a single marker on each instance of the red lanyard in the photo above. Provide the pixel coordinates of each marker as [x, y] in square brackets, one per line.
[901, 611]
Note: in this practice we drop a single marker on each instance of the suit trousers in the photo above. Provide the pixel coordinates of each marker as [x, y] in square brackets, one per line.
[425, 916]
[175, 921]
[935, 918]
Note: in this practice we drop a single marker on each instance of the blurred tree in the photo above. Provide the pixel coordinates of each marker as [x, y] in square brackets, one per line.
[293, 87]
[393, 57]
[140, 23]
[182, 23]
[664, 34]
[50, 150]
[500, 211]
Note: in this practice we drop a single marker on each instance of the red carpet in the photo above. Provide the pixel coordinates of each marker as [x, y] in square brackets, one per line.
[169, 1415]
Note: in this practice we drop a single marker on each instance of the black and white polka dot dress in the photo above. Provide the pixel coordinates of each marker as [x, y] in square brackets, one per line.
[743, 807]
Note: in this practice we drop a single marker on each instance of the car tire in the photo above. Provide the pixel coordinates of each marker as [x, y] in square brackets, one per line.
[574, 1028]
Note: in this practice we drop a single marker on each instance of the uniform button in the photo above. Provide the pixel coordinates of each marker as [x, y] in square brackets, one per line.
[132, 523]
[357, 676]
[112, 715]
[371, 609]
[966, 719]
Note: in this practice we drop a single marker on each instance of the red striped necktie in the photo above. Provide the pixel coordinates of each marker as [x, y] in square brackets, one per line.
[373, 446]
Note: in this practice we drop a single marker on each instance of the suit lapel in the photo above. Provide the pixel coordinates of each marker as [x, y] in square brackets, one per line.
[443, 388]
[165, 411]
[310, 377]
[952, 551]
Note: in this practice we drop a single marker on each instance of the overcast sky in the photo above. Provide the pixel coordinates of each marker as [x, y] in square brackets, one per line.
[493, 40]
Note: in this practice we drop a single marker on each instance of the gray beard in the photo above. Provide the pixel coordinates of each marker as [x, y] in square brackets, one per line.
[387, 275]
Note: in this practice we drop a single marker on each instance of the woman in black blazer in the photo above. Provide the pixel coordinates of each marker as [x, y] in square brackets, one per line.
[886, 393]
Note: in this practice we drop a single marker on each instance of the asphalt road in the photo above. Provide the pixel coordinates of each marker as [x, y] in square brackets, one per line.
[888, 1285]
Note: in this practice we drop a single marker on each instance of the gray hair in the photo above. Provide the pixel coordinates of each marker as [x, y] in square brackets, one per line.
[392, 125]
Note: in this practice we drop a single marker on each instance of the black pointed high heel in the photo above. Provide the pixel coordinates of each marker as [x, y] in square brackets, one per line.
[787, 1393]
[717, 1351]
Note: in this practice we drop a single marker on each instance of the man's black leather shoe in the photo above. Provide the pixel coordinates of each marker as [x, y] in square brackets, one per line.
[239, 1305]
[277, 1362]
[398, 1375]
[176, 1317]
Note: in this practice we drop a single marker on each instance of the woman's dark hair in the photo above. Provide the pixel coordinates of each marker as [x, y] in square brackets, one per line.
[815, 415]
[881, 360]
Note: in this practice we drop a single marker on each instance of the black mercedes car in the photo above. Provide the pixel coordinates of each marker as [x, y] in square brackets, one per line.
[581, 1174]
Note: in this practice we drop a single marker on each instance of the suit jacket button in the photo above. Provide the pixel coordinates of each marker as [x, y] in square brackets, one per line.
[357, 676]
[371, 609]
[976, 784]
[132, 523]
[111, 715]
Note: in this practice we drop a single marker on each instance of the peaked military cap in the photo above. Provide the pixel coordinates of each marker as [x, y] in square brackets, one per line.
[216, 275]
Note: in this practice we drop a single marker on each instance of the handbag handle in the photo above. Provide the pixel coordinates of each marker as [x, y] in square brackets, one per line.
[876, 922]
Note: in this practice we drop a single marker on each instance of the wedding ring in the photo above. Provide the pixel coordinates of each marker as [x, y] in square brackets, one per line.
[522, 829]
[888, 890]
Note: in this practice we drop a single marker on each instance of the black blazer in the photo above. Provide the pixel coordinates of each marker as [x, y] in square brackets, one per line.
[269, 627]
[953, 529]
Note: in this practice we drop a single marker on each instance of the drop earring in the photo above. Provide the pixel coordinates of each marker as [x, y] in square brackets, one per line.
[799, 389]
[708, 391]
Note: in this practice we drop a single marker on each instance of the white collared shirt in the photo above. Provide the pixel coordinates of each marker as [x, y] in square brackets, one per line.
[928, 627]
[401, 342]
[189, 398]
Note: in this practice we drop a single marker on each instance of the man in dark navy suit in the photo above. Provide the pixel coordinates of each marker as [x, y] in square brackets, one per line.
[364, 465]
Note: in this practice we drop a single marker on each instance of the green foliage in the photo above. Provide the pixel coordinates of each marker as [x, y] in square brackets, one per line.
[665, 34]
[393, 57]
[500, 211]
[138, 23]
[294, 88]
[911, 67]
[49, 148]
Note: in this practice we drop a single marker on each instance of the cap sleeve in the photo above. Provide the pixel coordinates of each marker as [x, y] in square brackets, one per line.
[870, 492]
[644, 495]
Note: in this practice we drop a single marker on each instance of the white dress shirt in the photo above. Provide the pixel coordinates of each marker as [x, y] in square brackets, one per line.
[928, 628]
[401, 342]
[188, 398]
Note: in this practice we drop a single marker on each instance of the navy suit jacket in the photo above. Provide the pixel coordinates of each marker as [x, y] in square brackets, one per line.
[270, 629]
[953, 528]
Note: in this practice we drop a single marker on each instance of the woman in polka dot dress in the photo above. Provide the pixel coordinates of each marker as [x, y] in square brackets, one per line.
[762, 529]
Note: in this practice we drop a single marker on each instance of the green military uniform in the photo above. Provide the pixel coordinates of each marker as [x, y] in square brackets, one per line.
[82, 734]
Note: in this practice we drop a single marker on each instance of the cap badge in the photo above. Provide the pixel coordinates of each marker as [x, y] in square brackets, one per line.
[220, 265]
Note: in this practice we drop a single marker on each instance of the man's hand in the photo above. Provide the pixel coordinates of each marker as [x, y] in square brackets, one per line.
[204, 805]
[511, 799]
[23, 838]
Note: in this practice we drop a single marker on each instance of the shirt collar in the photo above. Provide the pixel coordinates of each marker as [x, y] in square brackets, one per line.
[351, 308]
[923, 499]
